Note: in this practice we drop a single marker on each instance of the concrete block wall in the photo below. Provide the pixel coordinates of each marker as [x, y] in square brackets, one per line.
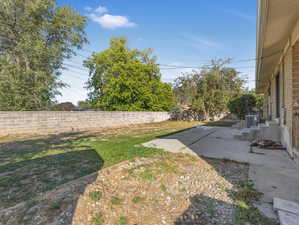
[45, 122]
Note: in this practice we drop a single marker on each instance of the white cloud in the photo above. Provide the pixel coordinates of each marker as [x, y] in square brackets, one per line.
[241, 15]
[101, 9]
[112, 22]
[87, 8]
[199, 42]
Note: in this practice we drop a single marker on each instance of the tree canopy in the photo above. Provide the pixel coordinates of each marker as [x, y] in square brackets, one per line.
[209, 89]
[127, 80]
[35, 37]
[246, 104]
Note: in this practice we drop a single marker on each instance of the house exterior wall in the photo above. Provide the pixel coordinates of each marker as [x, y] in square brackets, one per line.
[288, 93]
[295, 100]
[289, 99]
[287, 109]
[296, 74]
[272, 99]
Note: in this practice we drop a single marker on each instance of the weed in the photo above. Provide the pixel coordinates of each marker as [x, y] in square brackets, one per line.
[98, 219]
[123, 221]
[95, 195]
[192, 158]
[147, 175]
[138, 199]
[222, 187]
[155, 201]
[167, 168]
[116, 200]
[245, 211]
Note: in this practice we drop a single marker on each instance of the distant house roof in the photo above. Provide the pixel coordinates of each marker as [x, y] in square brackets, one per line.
[65, 106]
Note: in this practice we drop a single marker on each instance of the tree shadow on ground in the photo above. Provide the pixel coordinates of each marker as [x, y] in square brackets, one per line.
[18, 150]
[239, 210]
[30, 168]
[204, 210]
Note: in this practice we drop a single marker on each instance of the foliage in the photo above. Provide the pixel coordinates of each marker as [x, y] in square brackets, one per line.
[64, 106]
[245, 104]
[84, 104]
[35, 37]
[127, 80]
[209, 90]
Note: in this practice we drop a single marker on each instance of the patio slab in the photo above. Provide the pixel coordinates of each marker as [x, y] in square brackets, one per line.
[272, 171]
[219, 142]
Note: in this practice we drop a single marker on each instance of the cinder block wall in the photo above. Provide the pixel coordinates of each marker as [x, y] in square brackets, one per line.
[42, 122]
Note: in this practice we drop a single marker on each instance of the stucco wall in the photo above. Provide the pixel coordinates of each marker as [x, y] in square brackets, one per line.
[42, 122]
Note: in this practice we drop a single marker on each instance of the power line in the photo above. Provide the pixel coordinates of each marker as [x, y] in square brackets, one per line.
[77, 67]
[200, 66]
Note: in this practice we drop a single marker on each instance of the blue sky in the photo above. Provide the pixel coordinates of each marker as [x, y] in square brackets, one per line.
[182, 33]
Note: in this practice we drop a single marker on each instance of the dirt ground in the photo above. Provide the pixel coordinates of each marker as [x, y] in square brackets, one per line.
[163, 189]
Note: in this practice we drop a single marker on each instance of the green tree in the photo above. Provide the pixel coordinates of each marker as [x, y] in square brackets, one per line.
[127, 80]
[84, 104]
[35, 37]
[249, 103]
[209, 90]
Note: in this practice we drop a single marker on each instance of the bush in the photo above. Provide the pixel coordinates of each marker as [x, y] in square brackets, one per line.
[244, 105]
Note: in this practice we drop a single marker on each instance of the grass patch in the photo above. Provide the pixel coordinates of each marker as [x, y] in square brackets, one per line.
[123, 221]
[219, 123]
[167, 168]
[116, 200]
[98, 219]
[147, 175]
[56, 159]
[149, 171]
[138, 199]
[245, 211]
[95, 196]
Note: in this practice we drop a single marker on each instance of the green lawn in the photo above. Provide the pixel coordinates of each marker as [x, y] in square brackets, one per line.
[29, 166]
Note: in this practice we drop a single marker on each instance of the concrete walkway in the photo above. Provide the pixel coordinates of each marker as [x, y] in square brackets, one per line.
[272, 171]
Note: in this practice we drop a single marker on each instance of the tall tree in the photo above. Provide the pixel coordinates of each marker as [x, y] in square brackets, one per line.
[125, 79]
[209, 90]
[35, 37]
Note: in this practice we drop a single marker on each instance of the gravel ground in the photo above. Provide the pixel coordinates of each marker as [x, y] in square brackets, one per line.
[164, 189]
